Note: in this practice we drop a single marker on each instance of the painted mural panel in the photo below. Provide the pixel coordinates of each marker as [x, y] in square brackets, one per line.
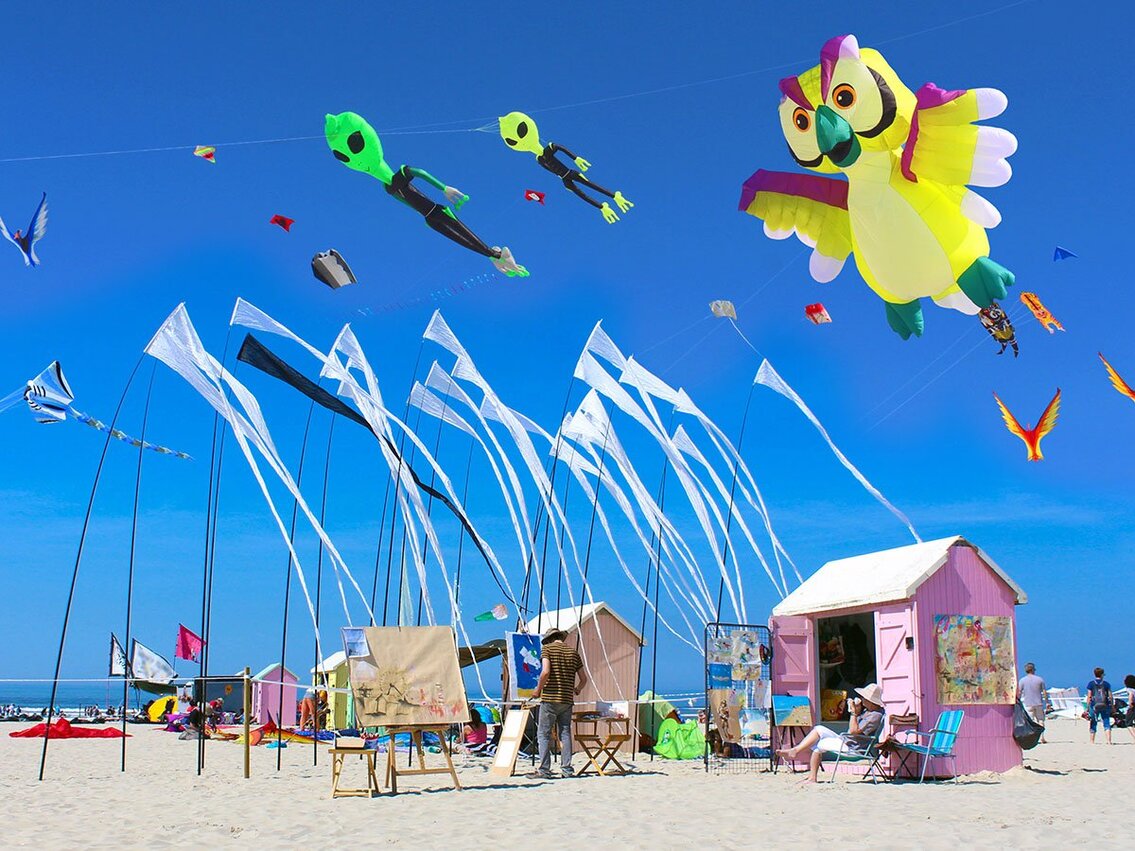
[975, 662]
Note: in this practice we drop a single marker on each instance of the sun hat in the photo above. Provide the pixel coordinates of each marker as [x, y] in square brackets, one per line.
[872, 693]
[553, 634]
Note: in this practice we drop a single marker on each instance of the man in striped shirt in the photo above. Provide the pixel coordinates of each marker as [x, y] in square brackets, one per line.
[561, 678]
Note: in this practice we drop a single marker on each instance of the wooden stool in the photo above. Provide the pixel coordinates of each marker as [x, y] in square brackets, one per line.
[415, 731]
[601, 745]
[337, 755]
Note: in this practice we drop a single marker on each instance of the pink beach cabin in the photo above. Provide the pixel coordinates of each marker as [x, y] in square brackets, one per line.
[872, 618]
[266, 696]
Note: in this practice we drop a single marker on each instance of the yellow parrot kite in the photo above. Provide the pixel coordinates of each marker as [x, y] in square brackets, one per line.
[1032, 436]
[905, 211]
[1117, 382]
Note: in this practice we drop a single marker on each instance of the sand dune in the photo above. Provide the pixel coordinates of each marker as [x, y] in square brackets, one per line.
[1067, 793]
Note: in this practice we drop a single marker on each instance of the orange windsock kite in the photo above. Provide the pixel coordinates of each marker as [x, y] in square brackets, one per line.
[1042, 314]
[1032, 436]
[1117, 382]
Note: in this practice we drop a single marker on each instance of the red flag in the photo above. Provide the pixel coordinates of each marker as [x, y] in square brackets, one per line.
[189, 644]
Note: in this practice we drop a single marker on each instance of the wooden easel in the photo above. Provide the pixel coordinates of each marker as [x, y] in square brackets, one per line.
[416, 731]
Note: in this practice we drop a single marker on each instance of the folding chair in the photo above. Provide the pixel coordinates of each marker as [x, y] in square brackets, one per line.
[940, 742]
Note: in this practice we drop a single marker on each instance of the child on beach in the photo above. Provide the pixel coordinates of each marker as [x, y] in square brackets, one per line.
[1099, 706]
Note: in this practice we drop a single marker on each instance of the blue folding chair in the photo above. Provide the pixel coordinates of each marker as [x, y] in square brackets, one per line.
[861, 749]
[940, 742]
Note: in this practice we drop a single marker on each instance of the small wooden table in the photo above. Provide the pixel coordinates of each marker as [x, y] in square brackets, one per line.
[415, 731]
[604, 744]
[337, 756]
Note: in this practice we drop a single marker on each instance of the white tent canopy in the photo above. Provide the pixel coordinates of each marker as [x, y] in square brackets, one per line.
[882, 577]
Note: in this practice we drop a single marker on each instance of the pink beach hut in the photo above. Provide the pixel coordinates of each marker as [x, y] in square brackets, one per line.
[266, 688]
[932, 623]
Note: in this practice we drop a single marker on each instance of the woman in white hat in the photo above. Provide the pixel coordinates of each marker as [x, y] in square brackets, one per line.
[866, 721]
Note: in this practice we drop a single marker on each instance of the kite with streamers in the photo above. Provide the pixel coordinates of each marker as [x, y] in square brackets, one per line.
[520, 133]
[1117, 382]
[1043, 316]
[49, 397]
[497, 613]
[355, 144]
[207, 153]
[1029, 435]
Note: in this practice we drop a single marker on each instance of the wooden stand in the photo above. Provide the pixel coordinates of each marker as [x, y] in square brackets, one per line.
[601, 745]
[415, 731]
[337, 756]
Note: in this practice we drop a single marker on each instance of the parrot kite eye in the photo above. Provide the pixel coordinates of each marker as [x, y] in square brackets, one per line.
[801, 119]
[356, 142]
[522, 129]
[341, 157]
[844, 96]
[510, 142]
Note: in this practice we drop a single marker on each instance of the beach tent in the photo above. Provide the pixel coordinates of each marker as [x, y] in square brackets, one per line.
[610, 648]
[334, 673]
[157, 709]
[933, 623]
[267, 693]
[652, 711]
[1066, 703]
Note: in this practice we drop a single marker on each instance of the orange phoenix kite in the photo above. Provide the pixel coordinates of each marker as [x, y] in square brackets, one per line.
[1033, 303]
[1032, 436]
[1117, 382]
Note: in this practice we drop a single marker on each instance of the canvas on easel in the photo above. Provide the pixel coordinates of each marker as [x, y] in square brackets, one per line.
[410, 676]
[524, 664]
[508, 748]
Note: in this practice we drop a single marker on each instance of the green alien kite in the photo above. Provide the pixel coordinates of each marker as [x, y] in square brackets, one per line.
[355, 144]
[520, 133]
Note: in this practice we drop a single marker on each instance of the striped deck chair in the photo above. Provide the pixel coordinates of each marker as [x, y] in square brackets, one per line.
[939, 743]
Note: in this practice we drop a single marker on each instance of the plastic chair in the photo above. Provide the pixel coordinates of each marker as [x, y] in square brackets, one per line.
[940, 742]
[864, 749]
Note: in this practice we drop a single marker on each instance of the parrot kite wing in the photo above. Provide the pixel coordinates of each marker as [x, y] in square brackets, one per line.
[812, 207]
[946, 146]
[207, 153]
[1116, 381]
[1032, 436]
[1043, 316]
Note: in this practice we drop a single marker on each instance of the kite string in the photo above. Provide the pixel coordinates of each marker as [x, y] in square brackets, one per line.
[488, 124]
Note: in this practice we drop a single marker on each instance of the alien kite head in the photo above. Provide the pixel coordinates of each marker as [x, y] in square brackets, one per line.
[851, 102]
[520, 133]
[355, 144]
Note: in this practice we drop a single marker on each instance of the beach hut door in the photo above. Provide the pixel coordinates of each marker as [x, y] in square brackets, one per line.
[896, 655]
[793, 657]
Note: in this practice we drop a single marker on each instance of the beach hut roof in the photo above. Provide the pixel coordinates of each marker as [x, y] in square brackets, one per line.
[269, 670]
[330, 663]
[881, 577]
[569, 619]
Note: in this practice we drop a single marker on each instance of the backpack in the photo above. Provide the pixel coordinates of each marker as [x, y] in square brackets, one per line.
[1101, 695]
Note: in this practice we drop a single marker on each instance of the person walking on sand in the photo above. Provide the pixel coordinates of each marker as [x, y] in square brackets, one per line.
[1129, 717]
[1032, 693]
[561, 678]
[1099, 706]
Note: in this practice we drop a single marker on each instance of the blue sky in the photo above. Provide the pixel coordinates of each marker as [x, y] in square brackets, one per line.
[133, 235]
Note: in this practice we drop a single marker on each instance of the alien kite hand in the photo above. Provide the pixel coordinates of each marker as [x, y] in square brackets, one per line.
[623, 203]
[582, 164]
[455, 197]
[609, 215]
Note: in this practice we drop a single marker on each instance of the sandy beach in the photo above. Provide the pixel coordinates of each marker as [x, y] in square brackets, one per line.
[1067, 793]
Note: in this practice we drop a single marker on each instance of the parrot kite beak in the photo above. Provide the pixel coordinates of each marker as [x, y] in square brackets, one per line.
[837, 139]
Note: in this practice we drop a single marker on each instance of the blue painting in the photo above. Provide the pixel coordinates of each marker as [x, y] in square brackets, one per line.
[791, 711]
[720, 675]
[523, 664]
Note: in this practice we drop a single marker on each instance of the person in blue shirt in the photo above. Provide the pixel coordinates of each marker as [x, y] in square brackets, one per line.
[1099, 705]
